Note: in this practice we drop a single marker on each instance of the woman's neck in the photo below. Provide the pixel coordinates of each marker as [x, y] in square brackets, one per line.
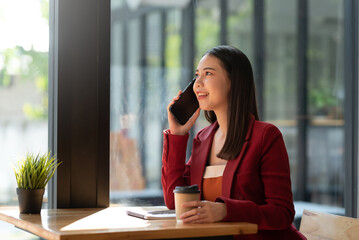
[222, 122]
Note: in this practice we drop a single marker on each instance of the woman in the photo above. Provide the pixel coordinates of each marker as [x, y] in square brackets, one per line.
[240, 164]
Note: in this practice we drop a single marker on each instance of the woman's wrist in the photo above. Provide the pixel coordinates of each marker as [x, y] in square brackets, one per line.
[181, 133]
[223, 211]
[169, 132]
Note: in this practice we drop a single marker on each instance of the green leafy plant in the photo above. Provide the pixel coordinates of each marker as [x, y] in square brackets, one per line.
[35, 171]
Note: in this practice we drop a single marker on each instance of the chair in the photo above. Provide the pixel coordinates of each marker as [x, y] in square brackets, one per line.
[315, 226]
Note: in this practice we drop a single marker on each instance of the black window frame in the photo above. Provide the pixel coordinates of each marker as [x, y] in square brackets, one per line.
[351, 12]
[79, 100]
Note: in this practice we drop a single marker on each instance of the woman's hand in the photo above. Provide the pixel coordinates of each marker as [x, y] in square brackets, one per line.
[205, 212]
[175, 127]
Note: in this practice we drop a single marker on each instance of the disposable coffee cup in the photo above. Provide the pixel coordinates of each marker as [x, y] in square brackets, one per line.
[185, 194]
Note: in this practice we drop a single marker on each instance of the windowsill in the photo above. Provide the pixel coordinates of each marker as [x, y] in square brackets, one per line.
[146, 197]
[315, 121]
[300, 206]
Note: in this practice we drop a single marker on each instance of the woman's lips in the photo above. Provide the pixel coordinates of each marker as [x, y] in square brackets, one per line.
[201, 95]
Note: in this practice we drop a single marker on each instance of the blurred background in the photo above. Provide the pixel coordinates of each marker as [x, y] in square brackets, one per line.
[296, 49]
[24, 47]
[156, 45]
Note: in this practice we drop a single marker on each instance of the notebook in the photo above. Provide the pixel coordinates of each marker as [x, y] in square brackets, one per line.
[151, 213]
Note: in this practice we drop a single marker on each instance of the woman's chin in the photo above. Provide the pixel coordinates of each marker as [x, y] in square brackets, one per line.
[205, 107]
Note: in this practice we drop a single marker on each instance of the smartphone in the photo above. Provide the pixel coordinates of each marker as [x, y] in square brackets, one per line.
[186, 105]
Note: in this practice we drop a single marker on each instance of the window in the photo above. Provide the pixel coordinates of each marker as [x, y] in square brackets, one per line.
[304, 96]
[156, 46]
[326, 94]
[24, 47]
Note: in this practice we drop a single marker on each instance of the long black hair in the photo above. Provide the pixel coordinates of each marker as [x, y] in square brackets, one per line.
[241, 100]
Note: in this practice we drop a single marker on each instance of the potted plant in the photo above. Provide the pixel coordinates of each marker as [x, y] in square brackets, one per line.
[32, 174]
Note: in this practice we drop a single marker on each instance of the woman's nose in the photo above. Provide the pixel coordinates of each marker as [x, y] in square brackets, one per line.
[197, 83]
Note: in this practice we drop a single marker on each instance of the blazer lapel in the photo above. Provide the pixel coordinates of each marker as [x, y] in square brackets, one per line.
[200, 150]
[230, 170]
[232, 165]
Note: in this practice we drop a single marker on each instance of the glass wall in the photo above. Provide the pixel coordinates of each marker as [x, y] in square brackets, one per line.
[325, 102]
[320, 149]
[156, 47]
[24, 47]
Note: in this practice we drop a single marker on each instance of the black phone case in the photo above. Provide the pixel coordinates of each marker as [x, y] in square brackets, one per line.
[187, 104]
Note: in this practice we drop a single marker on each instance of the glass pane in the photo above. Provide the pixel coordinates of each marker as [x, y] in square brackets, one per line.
[326, 98]
[240, 25]
[152, 52]
[207, 30]
[280, 84]
[24, 47]
[146, 72]
[325, 90]
[207, 27]
[127, 171]
[153, 106]
[173, 42]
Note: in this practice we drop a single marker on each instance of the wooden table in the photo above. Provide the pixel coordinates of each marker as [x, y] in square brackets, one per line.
[113, 223]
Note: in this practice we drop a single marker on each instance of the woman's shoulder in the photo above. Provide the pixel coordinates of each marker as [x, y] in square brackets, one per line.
[261, 127]
[262, 124]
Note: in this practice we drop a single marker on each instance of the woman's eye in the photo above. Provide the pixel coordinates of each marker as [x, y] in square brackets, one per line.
[208, 73]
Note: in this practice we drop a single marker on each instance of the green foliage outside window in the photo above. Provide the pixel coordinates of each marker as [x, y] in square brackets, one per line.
[207, 31]
[18, 65]
[22, 65]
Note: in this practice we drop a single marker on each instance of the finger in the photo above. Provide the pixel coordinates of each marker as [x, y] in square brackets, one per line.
[178, 95]
[201, 220]
[194, 212]
[193, 204]
[195, 116]
[193, 218]
[190, 213]
[200, 217]
[174, 99]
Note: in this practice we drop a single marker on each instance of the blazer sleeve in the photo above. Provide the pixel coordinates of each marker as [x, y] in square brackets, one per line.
[175, 171]
[277, 212]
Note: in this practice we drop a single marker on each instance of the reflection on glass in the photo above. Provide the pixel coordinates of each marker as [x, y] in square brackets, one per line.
[125, 154]
[240, 25]
[157, 45]
[326, 98]
[207, 27]
[280, 84]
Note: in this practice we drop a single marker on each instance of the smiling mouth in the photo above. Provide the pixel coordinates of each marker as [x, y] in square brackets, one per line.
[202, 94]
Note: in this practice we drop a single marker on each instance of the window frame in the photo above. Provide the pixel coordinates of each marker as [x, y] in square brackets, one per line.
[79, 100]
[70, 40]
[351, 133]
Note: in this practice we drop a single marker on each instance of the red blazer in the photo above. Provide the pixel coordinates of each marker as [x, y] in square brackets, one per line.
[256, 186]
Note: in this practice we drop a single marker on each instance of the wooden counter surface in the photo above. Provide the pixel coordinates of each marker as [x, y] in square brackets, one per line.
[113, 223]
